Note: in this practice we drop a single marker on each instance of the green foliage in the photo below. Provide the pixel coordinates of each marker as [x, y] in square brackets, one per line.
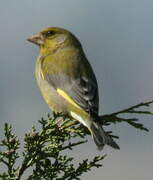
[113, 117]
[45, 150]
[8, 157]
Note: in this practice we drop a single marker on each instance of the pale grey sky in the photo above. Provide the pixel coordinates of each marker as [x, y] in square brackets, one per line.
[117, 37]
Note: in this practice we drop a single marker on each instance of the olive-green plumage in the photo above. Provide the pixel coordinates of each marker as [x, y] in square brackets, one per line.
[67, 81]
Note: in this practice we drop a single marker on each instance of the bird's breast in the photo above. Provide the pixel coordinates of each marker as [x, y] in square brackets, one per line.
[49, 93]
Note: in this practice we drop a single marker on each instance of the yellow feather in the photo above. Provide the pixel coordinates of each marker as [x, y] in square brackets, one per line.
[67, 97]
[76, 111]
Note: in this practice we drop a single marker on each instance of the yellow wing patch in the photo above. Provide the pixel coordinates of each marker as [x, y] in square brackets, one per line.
[67, 97]
[76, 111]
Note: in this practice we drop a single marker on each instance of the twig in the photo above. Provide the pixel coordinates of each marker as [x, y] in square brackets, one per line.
[129, 110]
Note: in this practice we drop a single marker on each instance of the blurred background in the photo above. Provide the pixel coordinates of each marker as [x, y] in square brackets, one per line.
[117, 37]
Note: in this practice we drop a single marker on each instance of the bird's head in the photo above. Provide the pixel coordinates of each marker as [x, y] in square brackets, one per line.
[52, 38]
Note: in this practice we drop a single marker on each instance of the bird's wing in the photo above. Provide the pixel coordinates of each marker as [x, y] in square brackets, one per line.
[84, 91]
[81, 87]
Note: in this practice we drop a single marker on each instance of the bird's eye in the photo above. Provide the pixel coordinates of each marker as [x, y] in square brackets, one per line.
[50, 33]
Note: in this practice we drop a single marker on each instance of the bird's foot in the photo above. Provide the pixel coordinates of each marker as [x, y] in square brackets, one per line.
[59, 122]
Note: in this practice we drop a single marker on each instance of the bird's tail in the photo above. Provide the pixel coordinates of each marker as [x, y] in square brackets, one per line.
[101, 137]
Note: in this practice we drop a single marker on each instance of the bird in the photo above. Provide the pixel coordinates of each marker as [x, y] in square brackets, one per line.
[67, 81]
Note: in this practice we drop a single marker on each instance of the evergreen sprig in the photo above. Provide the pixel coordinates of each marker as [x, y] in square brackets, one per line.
[45, 150]
[115, 117]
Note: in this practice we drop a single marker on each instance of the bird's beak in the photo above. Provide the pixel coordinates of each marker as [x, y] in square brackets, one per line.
[36, 39]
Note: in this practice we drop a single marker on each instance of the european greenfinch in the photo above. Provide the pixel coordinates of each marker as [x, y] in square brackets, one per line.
[67, 81]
